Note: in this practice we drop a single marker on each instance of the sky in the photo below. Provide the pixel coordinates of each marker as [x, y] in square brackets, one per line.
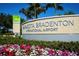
[13, 9]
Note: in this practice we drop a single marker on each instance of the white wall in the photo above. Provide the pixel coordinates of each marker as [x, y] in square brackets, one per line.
[52, 37]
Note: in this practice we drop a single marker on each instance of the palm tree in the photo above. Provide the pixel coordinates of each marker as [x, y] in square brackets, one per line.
[33, 10]
[26, 13]
[69, 13]
[56, 6]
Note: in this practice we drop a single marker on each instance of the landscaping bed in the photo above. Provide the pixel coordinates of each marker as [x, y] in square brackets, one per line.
[16, 46]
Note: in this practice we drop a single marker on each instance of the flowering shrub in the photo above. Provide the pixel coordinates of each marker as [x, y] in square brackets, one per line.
[14, 46]
[28, 50]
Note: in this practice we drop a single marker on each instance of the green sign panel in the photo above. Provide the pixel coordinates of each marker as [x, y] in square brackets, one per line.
[16, 19]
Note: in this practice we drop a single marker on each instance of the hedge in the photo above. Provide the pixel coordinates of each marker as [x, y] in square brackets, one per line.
[51, 44]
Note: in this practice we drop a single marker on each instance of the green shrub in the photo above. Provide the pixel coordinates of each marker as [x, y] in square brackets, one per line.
[51, 44]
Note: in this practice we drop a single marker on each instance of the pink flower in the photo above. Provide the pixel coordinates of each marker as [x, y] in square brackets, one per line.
[0, 54]
[11, 53]
[22, 46]
[51, 52]
[59, 52]
[15, 46]
[6, 49]
[65, 53]
[41, 47]
[28, 46]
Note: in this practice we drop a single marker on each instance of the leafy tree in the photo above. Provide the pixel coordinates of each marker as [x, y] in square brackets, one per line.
[6, 21]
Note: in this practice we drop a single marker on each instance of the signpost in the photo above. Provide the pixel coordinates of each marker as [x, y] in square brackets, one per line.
[16, 24]
[53, 25]
[56, 28]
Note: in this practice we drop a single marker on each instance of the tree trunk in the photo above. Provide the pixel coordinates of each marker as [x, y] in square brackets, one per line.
[35, 12]
[55, 9]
